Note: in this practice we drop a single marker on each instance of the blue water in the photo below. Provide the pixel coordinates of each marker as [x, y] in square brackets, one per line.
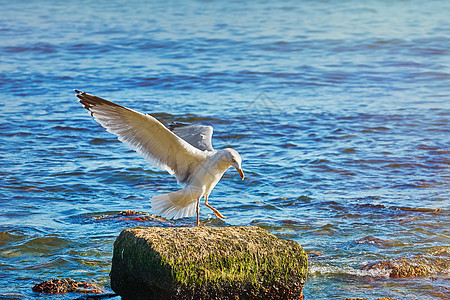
[340, 110]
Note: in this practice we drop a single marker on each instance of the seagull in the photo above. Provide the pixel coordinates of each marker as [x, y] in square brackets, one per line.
[183, 150]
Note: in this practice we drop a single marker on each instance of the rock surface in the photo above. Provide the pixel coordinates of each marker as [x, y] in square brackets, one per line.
[65, 285]
[207, 263]
[412, 267]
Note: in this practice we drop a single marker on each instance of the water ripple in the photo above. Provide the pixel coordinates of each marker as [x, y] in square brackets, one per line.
[340, 111]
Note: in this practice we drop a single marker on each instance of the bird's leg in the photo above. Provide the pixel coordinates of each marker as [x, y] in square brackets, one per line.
[216, 212]
[198, 213]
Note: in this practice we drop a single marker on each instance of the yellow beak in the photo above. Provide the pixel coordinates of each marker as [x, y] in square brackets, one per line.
[241, 173]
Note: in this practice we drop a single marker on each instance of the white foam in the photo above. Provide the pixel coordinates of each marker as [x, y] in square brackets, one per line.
[318, 270]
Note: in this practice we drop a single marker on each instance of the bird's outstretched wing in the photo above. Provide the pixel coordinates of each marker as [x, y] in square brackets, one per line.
[146, 135]
[198, 136]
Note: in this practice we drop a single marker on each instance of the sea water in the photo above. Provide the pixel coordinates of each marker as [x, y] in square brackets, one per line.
[340, 110]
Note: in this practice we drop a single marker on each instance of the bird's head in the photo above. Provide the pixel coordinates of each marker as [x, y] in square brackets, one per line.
[235, 160]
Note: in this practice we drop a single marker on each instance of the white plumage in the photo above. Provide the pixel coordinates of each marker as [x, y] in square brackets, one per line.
[185, 152]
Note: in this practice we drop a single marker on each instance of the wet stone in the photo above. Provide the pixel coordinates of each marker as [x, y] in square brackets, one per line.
[412, 267]
[207, 263]
[65, 285]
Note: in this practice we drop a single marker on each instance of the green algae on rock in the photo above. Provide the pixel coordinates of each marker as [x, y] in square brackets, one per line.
[207, 263]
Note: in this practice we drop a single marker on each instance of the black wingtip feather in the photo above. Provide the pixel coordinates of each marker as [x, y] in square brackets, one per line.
[89, 101]
[83, 100]
[175, 125]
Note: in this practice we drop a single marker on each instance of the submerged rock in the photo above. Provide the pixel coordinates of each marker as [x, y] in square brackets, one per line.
[207, 263]
[65, 285]
[412, 267]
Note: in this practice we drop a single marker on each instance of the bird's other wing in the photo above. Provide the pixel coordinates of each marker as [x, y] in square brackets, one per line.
[198, 136]
[146, 135]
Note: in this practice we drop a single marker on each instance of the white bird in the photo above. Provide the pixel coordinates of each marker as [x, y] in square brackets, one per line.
[182, 150]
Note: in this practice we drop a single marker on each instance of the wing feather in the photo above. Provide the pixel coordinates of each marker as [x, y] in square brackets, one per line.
[146, 135]
[198, 136]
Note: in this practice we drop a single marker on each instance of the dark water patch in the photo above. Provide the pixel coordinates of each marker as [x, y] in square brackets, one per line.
[40, 48]
[289, 145]
[349, 150]
[375, 129]
[389, 210]
[67, 128]
[281, 227]
[341, 137]
[356, 124]
[254, 206]
[327, 229]
[43, 245]
[398, 165]
[89, 48]
[231, 137]
[10, 237]
[69, 174]
[419, 209]
[100, 141]
[126, 217]
[18, 134]
[295, 202]
[371, 240]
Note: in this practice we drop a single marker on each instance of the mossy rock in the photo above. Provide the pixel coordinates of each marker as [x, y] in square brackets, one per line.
[207, 263]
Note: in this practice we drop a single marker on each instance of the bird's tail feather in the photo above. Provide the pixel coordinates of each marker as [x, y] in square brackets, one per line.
[174, 205]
